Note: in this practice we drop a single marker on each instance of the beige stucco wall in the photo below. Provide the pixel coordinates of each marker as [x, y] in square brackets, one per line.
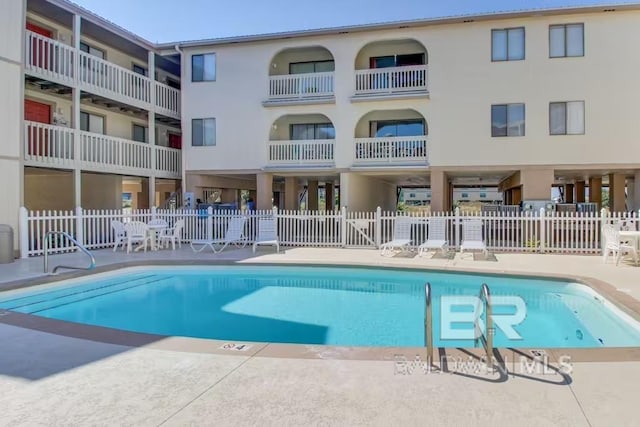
[463, 84]
[366, 193]
[101, 191]
[46, 189]
[11, 110]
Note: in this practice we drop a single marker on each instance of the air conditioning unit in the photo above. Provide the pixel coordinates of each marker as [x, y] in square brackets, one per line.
[534, 206]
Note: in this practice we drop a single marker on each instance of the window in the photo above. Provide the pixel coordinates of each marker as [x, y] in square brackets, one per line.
[173, 83]
[139, 69]
[91, 50]
[566, 40]
[396, 60]
[139, 133]
[566, 118]
[483, 195]
[311, 67]
[387, 128]
[203, 132]
[507, 44]
[203, 67]
[507, 120]
[312, 131]
[91, 123]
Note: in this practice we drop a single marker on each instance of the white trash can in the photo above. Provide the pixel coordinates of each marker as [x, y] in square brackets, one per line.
[6, 244]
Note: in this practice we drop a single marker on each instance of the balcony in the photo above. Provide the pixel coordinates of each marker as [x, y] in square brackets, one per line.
[60, 147]
[391, 151]
[54, 61]
[392, 81]
[301, 86]
[312, 152]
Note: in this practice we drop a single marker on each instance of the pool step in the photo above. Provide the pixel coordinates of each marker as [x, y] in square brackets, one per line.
[57, 298]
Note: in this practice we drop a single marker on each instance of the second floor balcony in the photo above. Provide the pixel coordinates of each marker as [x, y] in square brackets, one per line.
[61, 147]
[60, 63]
[301, 140]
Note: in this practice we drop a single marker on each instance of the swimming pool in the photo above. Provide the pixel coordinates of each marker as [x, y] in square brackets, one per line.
[328, 305]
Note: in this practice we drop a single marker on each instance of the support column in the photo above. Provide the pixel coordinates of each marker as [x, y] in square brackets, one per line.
[580, 192]
[595, 190]
[536, 184]
[617, 183]
[439, 190]
[329, 196]
[568, 193]
[264, 185]
[291, 193]
[151, 127]
[636, 192]
[75, 112]
[312, 195]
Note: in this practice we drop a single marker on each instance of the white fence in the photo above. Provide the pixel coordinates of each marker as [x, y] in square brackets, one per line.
[391, 149]
[307, 85]
[381, 81]
[300, 152]
[570, 232]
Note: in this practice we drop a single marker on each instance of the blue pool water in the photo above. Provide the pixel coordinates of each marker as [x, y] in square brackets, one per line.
[318, 305]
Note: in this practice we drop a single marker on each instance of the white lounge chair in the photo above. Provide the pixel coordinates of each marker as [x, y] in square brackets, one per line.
[173, 235]
[267, 233]
[137, 232]
[401, 236]
[472, 236]
[119, 234]
[234, 235]
[613, 244]
[436, 238]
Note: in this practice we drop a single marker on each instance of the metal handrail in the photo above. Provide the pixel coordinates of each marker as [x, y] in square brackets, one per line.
[428, 322]
[79, 246]
[487, 339]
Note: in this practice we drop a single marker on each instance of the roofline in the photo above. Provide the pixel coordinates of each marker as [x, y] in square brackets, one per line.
[402, 24]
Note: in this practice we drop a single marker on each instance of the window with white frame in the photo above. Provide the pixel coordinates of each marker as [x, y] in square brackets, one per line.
[507, 44]
[566, 118]
[91, 123]
[566, 40]
[203, 67]
[507, 120]
[203, 132]
[139, 133]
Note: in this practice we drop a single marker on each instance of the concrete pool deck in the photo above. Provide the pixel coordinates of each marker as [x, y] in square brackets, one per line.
[49, 378]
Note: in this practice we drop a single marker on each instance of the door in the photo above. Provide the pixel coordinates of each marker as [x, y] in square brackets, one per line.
[40, 55]
[175, 141]
[37, 137]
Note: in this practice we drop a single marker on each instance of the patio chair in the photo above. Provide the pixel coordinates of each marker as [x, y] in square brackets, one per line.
[472, 236]
[401, 236]
[267, 233]
[437, 237]
[234, 235]
[137, 232]
[119, 234]
[613, 244]
[173, 235]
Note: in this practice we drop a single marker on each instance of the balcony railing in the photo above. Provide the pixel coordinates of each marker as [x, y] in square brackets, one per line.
[53, 60]
[55, 146]
[397, 150]
[393, 80]
[317, 152]
[301, 86]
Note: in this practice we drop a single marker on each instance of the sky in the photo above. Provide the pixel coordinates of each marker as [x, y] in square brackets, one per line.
[170, 20]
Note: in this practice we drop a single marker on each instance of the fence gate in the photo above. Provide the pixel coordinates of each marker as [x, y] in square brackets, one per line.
[360, 229]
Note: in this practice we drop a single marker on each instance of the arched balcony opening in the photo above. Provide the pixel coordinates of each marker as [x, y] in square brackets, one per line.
[302, 73]
[301, 140]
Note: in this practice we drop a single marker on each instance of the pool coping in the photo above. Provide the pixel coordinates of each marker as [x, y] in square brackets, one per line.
[621, 300]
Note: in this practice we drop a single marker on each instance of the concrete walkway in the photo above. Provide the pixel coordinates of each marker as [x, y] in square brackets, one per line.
[50, 379]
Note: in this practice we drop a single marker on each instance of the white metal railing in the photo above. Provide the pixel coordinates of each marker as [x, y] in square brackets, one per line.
[168, 160]
[54, 146]
[557, 232]
[307, 85]
[413, 78]
[301, 152]
[48, 144]
[167, 100]
[47, 57]
[108, 152]
[396, 149]
[105, 77]
[56, 61]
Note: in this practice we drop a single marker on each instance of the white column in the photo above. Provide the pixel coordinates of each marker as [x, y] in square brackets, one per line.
[75, 108]
[151, 128]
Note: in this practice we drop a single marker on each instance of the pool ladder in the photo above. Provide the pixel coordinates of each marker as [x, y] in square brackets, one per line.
[72, 239]
[486, 337]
